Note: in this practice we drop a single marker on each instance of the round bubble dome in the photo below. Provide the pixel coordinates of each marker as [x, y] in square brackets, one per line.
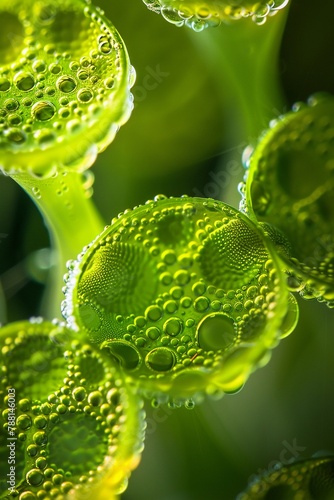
[64, 85]
[185, 293]
[69, 424]
[290, 186]
[201, 14]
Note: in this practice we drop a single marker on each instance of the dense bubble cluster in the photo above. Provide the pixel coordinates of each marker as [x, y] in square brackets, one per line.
[308, 479]
[68, 424]
[184, 293]
[64, 84]
[201, 14]
[290, 186]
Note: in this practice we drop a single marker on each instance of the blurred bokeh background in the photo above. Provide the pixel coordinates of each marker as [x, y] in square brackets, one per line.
[174, 144]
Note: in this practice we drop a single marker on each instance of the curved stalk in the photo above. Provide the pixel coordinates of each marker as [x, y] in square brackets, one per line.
[72, 221]
[244, 58]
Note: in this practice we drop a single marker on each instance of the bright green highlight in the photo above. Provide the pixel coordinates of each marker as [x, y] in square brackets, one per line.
[185, 293]
[200, 14]
[73, 221]
[290, 185]
[306, 479]
[64, 85]
[78, 429]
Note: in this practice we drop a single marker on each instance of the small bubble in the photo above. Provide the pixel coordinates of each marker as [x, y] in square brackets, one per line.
[55, 69]
[11, 104]
[85, 95]
[79, 393]
[39, 66]
[153, 333]
[153, 313]
[66, 84]
[160, 359]
[24, 81]
[14, 119]
[23, 422]
[16, 136]
[43, 111]
[95, 398]
[4, 84]
[109, 83]
[173, 326]
[216, 331]
[34, 477]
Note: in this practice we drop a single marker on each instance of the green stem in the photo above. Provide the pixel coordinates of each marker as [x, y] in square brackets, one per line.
[72, 220]
[244, 59]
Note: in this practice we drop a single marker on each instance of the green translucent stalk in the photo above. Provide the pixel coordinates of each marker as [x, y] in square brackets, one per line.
[71, 218]
[244, 59]
[65, 80]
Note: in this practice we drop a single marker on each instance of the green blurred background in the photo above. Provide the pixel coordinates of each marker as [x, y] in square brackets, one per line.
[174, 143]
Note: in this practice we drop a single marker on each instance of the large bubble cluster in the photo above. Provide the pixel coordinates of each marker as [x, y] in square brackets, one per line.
[201, 14]
[184, 293]
[290, 185]
[64, 84]
[72, 426]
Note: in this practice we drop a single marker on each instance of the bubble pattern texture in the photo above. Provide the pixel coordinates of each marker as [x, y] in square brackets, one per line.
[184, 293]
[311, 479]
[75, 430]
[290, 186]
[201, 14]
[64, 85]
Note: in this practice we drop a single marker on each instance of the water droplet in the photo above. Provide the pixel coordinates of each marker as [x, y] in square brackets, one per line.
[85, 95]
[291, 318]
[11, 104]
[153, 333]
[34, 477]
[16, 136]
[66, 84]
[79, 393]
[24, 81]
[4, 84]
[24, 422]
[173, 326]
[43, 111]
[160, 359]
[216, 331]
[153, 313]
[95, 398]
[125, 353]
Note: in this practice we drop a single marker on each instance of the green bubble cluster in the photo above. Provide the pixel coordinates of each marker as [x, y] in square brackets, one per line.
[64, 85]
[290, 186]
[184, 293]
[75, 429]
[310, 479]
[201, 14]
